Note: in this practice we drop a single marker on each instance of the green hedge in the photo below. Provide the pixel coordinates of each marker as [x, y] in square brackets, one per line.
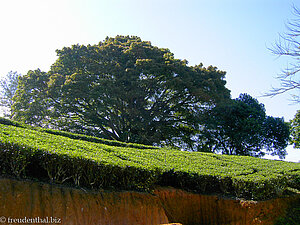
[97, 140]
[82, 161]
[76, 136]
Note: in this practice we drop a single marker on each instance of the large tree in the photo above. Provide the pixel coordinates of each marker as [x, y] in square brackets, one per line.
[241, 127]
[124, 89]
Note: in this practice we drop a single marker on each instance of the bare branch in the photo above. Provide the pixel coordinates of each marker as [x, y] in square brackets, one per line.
[288, 44]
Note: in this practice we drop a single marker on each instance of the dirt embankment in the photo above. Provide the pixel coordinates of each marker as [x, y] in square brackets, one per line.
[24, 202]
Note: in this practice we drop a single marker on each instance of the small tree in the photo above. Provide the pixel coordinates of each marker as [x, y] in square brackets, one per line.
[295, 130]
[241, 127]
[289, 45]
[8, 85]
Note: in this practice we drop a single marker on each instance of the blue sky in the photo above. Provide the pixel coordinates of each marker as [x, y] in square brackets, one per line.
[232, 35]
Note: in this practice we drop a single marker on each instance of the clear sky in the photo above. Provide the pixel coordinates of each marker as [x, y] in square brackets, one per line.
[232, 35]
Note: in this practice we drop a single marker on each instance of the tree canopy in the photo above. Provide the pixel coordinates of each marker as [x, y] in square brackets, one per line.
[295, 130]
[128, 90]
[241, 127]
[124, 89]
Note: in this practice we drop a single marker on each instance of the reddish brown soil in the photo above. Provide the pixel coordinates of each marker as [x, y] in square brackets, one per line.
[20, 199]
[188, 208]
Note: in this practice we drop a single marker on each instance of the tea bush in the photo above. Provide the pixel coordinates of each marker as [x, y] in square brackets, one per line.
[66, 158]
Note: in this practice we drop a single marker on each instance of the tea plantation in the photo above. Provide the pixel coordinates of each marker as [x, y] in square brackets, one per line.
[94, 163]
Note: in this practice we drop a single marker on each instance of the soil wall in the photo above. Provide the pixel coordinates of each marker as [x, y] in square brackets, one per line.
[188, 208]
[26, 202]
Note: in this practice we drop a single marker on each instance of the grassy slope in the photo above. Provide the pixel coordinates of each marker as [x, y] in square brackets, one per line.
[91, 163]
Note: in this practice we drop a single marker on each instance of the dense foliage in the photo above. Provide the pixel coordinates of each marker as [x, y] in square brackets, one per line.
[295, 130]
[123, 89]
[30, 152]
[241, 127]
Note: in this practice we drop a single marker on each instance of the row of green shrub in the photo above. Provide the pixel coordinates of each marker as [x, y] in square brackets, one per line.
[46, 157]
[76, 136]
[26, 152]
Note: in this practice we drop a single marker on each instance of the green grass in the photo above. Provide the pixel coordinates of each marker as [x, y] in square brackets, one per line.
[62, 157]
